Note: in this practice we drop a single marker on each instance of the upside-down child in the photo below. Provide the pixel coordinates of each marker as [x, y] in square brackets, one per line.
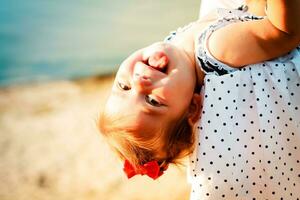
[149, 118]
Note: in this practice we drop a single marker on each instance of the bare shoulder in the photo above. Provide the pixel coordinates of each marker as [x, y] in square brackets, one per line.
[204, 22]
[210, 17]
[243, 43]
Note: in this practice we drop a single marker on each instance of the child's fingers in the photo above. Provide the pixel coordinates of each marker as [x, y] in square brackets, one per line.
[158, 60]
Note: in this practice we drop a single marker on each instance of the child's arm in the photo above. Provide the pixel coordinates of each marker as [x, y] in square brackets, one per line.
[250, 42]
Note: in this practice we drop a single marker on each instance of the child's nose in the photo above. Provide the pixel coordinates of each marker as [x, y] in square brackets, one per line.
[142, 83]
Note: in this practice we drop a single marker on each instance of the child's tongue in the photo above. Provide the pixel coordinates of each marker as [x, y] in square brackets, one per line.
[159, 61]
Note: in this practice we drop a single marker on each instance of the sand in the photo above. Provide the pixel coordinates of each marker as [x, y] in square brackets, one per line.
[50, 148]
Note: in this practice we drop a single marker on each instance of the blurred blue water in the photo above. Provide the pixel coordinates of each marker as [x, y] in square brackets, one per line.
[43, 40]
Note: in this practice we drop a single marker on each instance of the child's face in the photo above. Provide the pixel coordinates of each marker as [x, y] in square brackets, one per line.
[154, 85]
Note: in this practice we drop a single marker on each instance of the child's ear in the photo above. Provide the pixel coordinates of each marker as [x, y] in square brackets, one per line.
[194, 109]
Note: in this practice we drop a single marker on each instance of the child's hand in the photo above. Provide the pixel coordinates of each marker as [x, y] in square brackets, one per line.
[158, 60]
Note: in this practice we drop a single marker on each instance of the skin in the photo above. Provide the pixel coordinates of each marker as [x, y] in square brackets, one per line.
[265, 39]
[275, 35]
[151, 86]
[155, 85]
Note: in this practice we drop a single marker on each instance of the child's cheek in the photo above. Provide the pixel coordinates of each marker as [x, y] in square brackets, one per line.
[163, 92]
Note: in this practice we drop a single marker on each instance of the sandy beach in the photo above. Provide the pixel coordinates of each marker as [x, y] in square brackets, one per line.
[50, 148]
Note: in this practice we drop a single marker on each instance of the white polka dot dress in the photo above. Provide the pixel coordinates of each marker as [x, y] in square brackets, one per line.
[248, 136]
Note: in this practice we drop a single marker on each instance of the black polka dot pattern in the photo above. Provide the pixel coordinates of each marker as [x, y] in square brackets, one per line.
[248, 140]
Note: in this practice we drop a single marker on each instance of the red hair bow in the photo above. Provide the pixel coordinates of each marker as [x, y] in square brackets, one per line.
[151, 169]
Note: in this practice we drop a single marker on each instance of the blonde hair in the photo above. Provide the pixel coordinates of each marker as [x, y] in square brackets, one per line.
[166, 145]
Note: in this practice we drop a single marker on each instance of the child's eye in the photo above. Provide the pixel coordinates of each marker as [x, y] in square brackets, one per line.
[152, 101]
[123, 86]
